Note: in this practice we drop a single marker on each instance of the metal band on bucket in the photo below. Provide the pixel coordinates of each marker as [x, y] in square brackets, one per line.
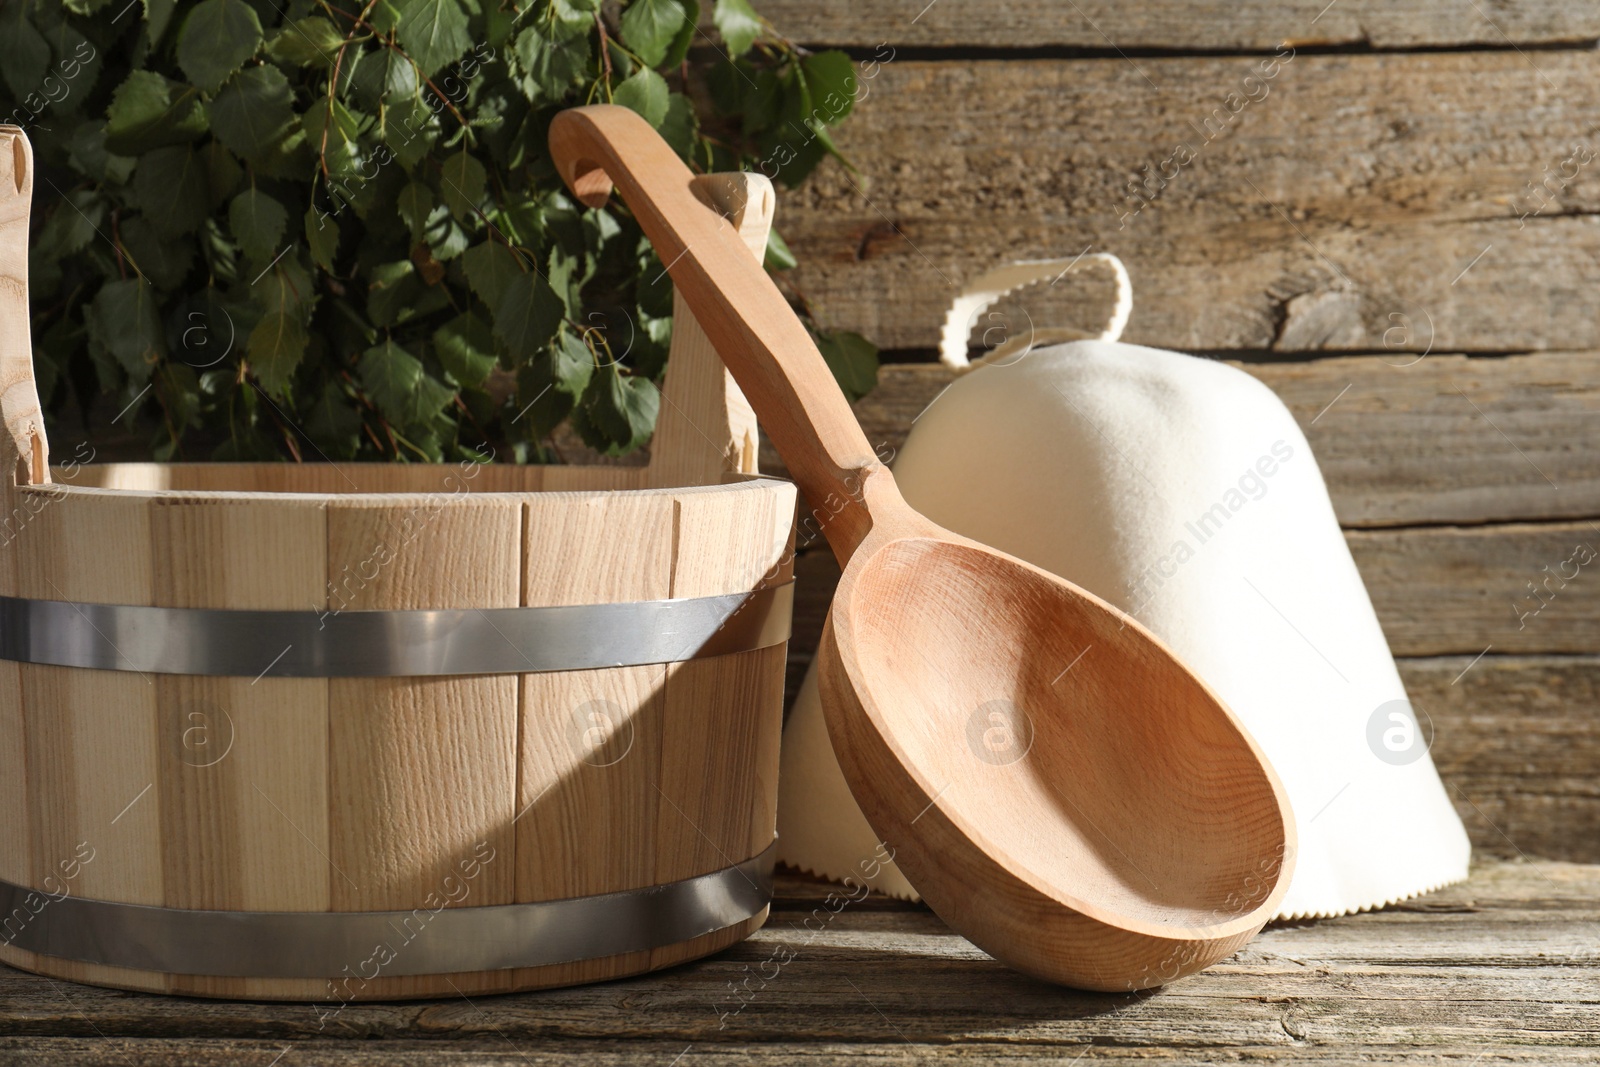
[367, 644]
[330, 944]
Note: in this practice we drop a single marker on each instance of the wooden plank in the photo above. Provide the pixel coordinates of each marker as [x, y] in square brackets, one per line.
[244, 765]
[1448, 439]
[244, 790]
[1350, 189]
[591, 740]
[1505, 963]
[1517, 742]
[887, 1052]
[723, 715]
[1182, 25]
[421, 770]
[93, 739]
[1517, 587]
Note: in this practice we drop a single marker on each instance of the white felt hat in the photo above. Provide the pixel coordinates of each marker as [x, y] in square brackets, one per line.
[1182, 491]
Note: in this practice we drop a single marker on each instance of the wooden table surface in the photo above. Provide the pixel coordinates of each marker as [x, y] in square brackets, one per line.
[1502, 969]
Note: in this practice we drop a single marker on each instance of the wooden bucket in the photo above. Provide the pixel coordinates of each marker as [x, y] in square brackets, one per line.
[347, 732]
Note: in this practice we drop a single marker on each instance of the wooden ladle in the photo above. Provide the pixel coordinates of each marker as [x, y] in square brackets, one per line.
[1054, 782]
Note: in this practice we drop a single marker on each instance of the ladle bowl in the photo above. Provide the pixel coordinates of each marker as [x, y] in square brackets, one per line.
[1057, 785]
[1052, 781]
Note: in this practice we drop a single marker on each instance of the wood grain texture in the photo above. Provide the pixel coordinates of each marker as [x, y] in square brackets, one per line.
[1180, 25]
[727, 711]
[588, 788]
[69, 551]
[421, 770]
[244, 777]
[1348, 190]
[1520, 587]
[95, 825]
[1517, 741]
[705, 427]
[1498, 970]
[1448, 439]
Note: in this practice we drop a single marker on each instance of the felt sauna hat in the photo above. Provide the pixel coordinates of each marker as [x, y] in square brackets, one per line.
[1182, 491]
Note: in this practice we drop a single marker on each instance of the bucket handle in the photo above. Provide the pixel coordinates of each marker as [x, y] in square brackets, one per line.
[705, 428]
[23, 444]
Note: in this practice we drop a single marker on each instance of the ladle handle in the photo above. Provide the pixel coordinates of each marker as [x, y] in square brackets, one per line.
[769, 352]
[22, 444]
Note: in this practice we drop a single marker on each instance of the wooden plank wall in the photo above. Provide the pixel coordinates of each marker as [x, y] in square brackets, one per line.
[1385, 208]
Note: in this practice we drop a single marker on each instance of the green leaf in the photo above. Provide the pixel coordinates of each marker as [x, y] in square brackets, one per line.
[222, 174]
[333, 424]
[410, 129]
[163, 261]
[172, 188]
[574, 16]
[444, 235]
[338, 141]
[831, 77]
[395, 381]
[651, 342]
[381, 76]
[527, 316]
[71, 226]
[258, 223]
[738, 25]
[489, 267]
[621, 407]
[415, 205]
[390, 376]
[123, 321]
[309, 42]
[853, 360]
[653, 288]
[24, 53]
[254, 113]
[86, 152]
[644, 91]
[461, 184]
[649, 27]
[148, 111]
[678, 51]
[778, 256]
[157, 14]
[275, 348]
[397, 294]
[465, 346]
[680, 129]
[433, 32]
[216, 39]
[550, 385]
[285, 286]
[322, 234]
[564, 276]
[571, 364]
[222, 258]
[552, 63]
